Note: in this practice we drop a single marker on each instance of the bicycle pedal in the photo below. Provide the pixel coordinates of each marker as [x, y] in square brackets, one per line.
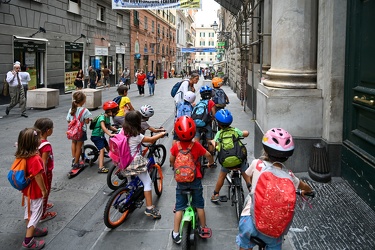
[138, 204]
[223, 198]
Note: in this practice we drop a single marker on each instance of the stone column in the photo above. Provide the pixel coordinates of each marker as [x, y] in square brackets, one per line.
[294, 44]
[267, 29]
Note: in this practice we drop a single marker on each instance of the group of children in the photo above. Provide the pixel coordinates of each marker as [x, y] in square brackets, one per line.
[33, 144]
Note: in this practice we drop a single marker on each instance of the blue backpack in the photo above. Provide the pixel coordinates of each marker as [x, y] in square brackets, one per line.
[175, 88]
[200, 114]
[184, 108]
[17, 174]
[219, 97]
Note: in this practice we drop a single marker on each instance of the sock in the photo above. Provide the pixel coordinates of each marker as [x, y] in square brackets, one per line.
[27, 240]
[175, 234]
[149, 208]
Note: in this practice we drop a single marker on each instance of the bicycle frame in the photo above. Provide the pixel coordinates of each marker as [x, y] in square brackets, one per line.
[189, 215]
[126, 202]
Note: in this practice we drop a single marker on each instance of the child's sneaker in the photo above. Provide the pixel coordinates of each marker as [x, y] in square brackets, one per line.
[215, 198]
[34, 244]
[176, 239]
[153, 212]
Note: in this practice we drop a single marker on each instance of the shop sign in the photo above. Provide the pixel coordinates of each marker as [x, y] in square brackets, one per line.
[73, 46]
[101, 51]
[30, 46]
[120, 49]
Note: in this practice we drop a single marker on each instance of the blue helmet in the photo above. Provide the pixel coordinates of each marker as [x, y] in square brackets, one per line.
[224, 117]
[206, 92]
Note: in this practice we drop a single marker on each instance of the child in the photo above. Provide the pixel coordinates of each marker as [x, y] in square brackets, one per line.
[103, 126]
[124, 106]
[184, 108]
[224, 119]
[278, 146]
[206, 94]
[147, 111]
[36, 191]
[132, 129]
[79, 99]
[45, 125]
[219, 97]
[185, 129]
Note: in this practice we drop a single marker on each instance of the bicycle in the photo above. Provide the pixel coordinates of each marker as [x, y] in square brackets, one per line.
[129, 197]
[189, 225]
[204, 142]
[157, 154]
[304, 199]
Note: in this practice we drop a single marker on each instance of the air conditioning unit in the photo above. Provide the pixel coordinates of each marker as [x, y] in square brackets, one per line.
[73, 7]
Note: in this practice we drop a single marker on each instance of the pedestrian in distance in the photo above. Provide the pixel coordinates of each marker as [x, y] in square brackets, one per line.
[80, 77]
[93, 78]
[103, 126]
[79, 99]
[185, 129]
[278, 146]
[147, 111]
[151, 80]
[16, 91]
[132, 129]
[125, 77]
[186, 85]
[25, 79]
[224, 119]
[141, 80]
[36, 191]
[106, 72]
[125, 105]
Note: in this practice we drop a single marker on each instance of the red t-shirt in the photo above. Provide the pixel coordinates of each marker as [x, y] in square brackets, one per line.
[210, 105]
[34, 167]
[47, 148]
[141, 79]
[197, 150]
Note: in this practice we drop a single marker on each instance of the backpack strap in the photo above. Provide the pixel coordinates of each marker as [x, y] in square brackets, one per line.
[188, 149]
[45, 143]
[80, 114]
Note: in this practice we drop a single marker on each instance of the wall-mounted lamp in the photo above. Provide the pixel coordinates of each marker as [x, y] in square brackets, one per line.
[122, 44]
[41, 29]
[88, 41]
[224, 34]
[103, 39]
[82, 36]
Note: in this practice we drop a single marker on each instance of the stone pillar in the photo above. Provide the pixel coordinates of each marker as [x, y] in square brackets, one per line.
[267, 29]
[294, 44]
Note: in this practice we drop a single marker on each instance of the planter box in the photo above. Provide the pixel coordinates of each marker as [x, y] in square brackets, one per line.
[93, 98]
[43, 98]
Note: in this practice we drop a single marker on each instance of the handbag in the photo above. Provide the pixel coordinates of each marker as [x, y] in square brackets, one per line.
[137, 166]
[5, 88]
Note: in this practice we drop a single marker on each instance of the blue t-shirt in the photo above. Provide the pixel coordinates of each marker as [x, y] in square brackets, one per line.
[151, 78]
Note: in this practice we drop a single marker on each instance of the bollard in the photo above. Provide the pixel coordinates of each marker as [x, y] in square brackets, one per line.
[319, 169]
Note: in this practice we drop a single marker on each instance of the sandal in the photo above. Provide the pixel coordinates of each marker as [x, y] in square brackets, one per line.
[48, 216]
[40, 232]
[205, 232]
[103, 170]
[49, 206]
[34, 244]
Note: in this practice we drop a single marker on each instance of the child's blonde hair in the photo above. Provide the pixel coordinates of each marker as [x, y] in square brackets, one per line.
[28, 143]
[78, 98]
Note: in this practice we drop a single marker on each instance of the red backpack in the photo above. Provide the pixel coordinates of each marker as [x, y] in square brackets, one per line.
[273, 201]
[75, 127]
[184, 165]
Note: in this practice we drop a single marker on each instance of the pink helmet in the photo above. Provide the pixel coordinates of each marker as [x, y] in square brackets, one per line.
[278, 143]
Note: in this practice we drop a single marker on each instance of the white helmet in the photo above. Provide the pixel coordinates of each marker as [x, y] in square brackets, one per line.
[189, 96]
[147, 111]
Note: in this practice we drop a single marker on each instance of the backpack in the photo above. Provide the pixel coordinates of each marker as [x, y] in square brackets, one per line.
[75, 127]
[219, 98]
[175, 88]
[17, 174]
[183, 108]
[117, 99]
[273, 201]
[200, 114]
[119, 150]
[231, 151]
[184, 165]
[94, 122]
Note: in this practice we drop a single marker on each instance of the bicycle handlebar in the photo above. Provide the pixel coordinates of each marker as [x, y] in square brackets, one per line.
[311, 194]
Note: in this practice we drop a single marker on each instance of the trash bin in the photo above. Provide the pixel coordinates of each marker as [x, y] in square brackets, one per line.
[319, 168]
[165, 75]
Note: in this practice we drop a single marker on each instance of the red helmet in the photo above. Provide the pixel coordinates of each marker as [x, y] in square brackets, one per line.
[110, 105]
[185, 128]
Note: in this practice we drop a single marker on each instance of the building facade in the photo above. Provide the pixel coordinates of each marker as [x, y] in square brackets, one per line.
[185, 34]
[206, 38]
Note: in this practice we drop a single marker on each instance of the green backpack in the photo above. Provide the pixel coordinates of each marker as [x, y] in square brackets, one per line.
[231, 151]
[94, 122]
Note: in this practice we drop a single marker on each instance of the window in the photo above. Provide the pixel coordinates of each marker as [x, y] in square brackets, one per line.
[100, 13]
[74, 6]
[210, 53]
[152, 26]
[202, 43]
[202, 34]
[136, 18]
[120, 20]
[201, 59]
[145, 24]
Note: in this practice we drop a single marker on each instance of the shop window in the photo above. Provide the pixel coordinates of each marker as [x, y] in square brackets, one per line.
[100, 13]
[120, 20]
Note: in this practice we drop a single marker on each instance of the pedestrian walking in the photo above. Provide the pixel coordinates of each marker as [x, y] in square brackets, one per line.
[151, 80]
[16, 91]
[141, 80]
[125, 77]
[93, 78]
[79, 80]
[106, 73]
[25, 79]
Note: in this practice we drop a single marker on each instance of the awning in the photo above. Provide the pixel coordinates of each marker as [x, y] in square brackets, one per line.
[233, 6]
[31, 38]
[222, 62]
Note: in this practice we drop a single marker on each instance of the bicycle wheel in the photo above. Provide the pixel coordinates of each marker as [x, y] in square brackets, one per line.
[214, 126]
[160, 153]
[90, 154]
[157, 179]
[185, 236]
[115, 179]
[116, 209]
[239, 199]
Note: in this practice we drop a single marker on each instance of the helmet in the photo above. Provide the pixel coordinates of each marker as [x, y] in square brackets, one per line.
[224, 117]
[185, 128]
[110, 105]
[278, 143]
[189, 96]
[206, 92]
[147, 111]
[216, 82]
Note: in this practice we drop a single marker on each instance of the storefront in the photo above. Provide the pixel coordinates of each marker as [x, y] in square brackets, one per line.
[101, 59]
[73, 63]
[32, 53]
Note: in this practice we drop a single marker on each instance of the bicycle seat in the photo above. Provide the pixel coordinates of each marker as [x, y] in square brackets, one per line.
[186, 191]
[258, 241]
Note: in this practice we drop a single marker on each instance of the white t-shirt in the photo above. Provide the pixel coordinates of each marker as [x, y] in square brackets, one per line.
[253, 171]
[25, 78]
[134, 142]
[179, 97]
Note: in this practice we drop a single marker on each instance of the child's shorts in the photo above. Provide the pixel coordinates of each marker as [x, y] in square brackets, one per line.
[246, 229]
[84, 136]
[99, 141]
[243, 168]
[208, 132]
[36, 210]
[197, 195]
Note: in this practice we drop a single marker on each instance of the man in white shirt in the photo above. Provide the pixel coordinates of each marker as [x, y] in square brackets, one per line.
[16, 91]
[186, 85]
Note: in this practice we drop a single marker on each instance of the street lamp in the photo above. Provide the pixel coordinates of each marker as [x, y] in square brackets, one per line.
[226, 35]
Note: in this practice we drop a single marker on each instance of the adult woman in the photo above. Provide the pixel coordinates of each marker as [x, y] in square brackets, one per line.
[141, 79]
[79, 80]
